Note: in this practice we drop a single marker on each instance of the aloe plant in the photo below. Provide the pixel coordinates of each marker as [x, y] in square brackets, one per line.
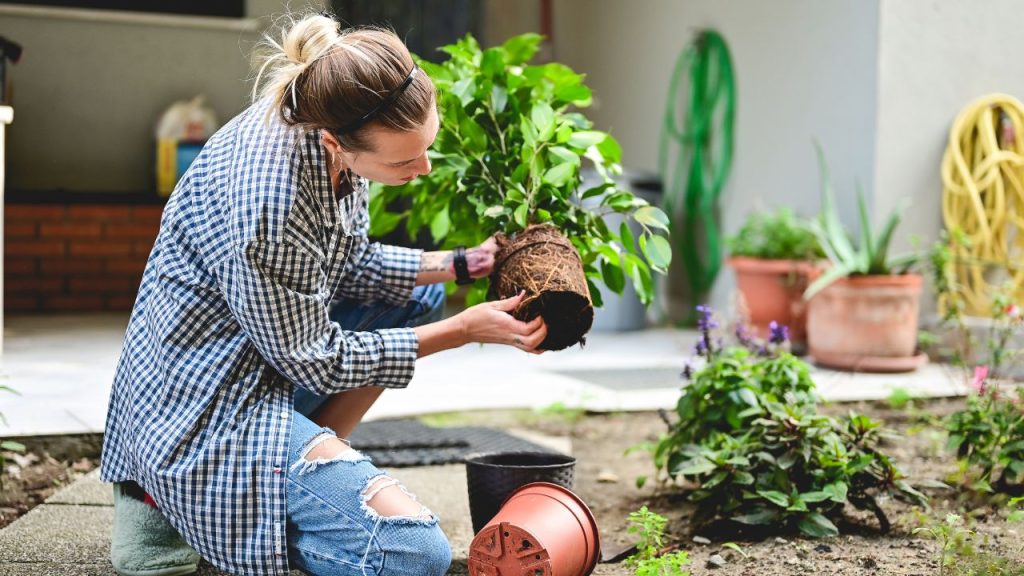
[869, 257]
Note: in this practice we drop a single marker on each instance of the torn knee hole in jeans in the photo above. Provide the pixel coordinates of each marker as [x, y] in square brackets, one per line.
[397, 506]
[305, 463]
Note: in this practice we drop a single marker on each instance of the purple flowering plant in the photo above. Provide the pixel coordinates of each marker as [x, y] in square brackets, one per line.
[748, 446]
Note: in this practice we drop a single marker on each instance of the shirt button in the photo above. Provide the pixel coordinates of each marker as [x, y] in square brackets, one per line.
[284, 415]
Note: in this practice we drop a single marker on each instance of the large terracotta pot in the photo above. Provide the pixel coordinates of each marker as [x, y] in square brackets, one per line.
[867, 323]
[541, 530]
[774, 290]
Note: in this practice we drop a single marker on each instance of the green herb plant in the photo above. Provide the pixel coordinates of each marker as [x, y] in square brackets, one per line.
[753, 450]
[509, 154]
[961, 551]
[775, 236]
[870, 256]
[650, 558]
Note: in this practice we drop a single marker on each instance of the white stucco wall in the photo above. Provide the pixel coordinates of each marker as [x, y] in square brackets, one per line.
[87, 94]
[805, 69]
[935, 57]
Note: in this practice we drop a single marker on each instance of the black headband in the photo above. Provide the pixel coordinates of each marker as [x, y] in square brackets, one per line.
[384, 104]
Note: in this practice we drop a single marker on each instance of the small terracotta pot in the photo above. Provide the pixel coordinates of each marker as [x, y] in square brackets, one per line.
[542, 530]
[493, 477]
[867, 324]
[774, 290]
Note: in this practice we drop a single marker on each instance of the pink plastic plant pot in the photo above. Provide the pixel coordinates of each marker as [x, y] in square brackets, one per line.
[542, 529]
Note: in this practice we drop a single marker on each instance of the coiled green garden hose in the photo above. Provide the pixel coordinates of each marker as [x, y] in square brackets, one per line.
[703, 142]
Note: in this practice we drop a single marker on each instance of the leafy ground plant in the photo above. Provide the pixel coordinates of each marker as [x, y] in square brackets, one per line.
[988, 436]
[749, 447]
[960, 552]
[651, 558]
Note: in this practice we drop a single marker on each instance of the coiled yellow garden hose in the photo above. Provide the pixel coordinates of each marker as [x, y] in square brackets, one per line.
[983, 200]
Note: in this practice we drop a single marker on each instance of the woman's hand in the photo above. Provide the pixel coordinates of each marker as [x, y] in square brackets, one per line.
[492, 323]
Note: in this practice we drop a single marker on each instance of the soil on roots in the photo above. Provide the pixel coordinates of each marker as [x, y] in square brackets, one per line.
[542, 261]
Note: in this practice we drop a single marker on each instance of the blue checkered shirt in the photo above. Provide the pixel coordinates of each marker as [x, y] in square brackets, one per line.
[232, 313]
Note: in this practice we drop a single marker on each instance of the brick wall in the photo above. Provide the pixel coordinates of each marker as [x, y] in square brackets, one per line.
[76, 257]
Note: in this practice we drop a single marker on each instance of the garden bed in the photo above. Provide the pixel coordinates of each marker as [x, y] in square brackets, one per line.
[48, 464]
[606, 480]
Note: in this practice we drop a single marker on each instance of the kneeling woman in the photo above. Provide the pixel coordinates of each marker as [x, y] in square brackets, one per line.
[267, 324]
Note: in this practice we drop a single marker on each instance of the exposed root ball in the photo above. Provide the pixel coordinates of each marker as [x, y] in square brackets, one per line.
[543, 262]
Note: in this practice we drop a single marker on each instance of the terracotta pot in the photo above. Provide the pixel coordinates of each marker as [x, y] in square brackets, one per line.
[867, 323]
[542, 530]
[774, 290]
[493, 477]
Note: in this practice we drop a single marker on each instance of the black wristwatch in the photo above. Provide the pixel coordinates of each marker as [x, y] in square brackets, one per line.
[462, 276]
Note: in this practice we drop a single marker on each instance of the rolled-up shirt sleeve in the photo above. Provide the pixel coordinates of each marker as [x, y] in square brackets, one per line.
[378, 271]
[278, 293]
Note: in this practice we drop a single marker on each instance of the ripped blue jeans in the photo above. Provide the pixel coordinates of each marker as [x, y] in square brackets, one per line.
[332, 530]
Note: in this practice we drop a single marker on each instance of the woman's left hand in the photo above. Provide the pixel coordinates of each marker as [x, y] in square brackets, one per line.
[480, 259]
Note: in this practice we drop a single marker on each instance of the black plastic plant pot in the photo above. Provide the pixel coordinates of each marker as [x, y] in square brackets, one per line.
[493, 477]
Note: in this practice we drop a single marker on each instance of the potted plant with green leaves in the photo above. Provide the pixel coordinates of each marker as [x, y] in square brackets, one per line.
[507, 161]
[863, 310]
[775, 256]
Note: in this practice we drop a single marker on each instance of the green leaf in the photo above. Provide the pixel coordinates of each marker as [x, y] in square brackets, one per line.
[597, 190]
[880, 262]
[626, 238]
[520, 214]
[761, 517]
[867, 244]
[775, 497]
[492, 63]
[499, 98]
[836, 491]
[563, 154]
[543, 118]
[559, 174]
[611, 272]
[520, 49]
[693, 467]
[577, 94]
[495, 211]
[652, 216]
[12, 446]
[584, 139]
[440, 224]
[816, 525]
[610, 150]
[657, 250]
[474, 133]
[834, 273]
[464, 89]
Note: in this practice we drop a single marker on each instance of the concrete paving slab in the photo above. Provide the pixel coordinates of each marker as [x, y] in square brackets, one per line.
[615, 371]
[54, 569]
[59, 534]
[86, 491]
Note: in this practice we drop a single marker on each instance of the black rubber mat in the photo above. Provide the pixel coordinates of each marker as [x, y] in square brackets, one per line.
[405, 442]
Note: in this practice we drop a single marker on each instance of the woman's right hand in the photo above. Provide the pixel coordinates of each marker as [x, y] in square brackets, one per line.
[492, 323]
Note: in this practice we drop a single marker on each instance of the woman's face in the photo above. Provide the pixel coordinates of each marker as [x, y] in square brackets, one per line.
[396, 158]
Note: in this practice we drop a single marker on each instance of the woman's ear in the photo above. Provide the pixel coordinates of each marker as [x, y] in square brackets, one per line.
[330, 142]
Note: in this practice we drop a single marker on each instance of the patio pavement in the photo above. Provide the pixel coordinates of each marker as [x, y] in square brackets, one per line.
[62, 366]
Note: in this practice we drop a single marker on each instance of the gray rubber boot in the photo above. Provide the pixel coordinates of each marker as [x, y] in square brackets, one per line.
[144, 543]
